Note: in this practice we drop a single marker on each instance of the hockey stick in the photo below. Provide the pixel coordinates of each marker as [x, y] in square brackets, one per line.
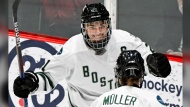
[18, 45]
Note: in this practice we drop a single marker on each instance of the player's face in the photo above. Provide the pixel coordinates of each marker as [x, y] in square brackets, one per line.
[97, 31]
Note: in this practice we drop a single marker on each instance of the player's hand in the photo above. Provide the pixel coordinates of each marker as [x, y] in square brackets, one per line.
[23, 87]
[158, 65]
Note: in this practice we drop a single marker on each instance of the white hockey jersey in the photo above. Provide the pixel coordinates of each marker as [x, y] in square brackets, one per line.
[128, 96]
[89, 75]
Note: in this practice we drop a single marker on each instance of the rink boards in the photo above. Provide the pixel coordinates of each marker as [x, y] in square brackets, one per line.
[35, 48]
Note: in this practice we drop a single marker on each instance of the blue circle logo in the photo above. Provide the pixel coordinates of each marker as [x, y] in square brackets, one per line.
[33, 65]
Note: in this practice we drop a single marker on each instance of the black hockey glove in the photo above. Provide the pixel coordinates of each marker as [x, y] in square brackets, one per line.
[23, 87]
[158, 65]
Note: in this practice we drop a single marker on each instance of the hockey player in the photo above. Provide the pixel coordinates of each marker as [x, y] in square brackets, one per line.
[87, 60]
[129, 73]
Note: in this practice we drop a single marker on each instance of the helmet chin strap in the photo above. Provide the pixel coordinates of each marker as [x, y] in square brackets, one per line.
[100, 51]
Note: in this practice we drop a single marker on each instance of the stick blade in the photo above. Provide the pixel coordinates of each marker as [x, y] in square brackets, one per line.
[15, 8]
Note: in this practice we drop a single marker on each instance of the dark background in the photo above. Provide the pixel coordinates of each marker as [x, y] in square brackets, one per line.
[157, 22]
[52, 17]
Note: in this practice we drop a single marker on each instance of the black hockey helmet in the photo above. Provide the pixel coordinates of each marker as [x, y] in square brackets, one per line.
[94, 12]
[129, 64]
[91, 13]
